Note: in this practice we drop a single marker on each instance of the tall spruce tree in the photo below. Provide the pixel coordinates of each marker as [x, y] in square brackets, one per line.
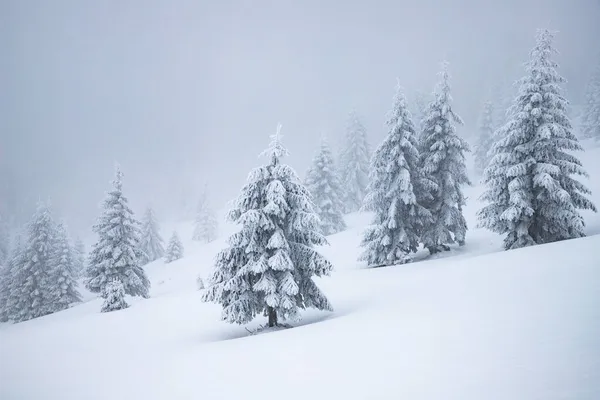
[206, 225]
[590, 122]
[151, 243]
[531, 194]
[354, 163]
[174, 249]
[115, 256]
[394, 179]
[323, 183]
[443, 162]
[7, 275]
[269, 264]
[31, 292]
[485, 140]
[64, 271]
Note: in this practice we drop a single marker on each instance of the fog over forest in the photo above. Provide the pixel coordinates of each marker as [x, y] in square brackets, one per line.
[184, 93]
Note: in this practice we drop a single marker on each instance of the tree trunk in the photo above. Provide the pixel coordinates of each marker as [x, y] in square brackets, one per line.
[272, 317]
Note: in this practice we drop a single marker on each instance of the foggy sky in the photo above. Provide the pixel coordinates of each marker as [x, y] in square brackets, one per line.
[186, 92]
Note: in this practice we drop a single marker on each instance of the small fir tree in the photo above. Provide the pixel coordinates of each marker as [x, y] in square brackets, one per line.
[115, 256]
[64, 272]
[205, 225]
[531, 194]
[151, 243]
[269, 264]
[174, 249]
[324, 185]
[114, 296]
[394, 179]
[443, 162]
[354, 163]
[485, 140]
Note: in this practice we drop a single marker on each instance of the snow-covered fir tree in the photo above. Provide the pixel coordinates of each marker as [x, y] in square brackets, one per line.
[354, 163]
[443, 162]
[395, 176]
[269, 264]
[485, 139]
[590, 119]
[151, 243]
[174, 249]
[7, 273]
[115, 256]
[113, 294]
[64, 272]
[323, 183]
[206, 225]
[79, 250]
[31, 292]
[531, 194]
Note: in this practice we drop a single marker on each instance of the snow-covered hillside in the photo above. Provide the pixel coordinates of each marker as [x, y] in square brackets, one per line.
[475, 323]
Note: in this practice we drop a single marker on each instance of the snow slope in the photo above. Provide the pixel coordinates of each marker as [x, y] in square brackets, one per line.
[475, 323]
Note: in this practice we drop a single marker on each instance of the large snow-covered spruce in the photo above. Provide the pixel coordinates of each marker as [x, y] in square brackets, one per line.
[31, 292]
[64, 271]
[269, 264]
[323, 183]
[443, 163]
[174, 249]
[205, 225]
[115, 256]
[354, 163]
[590, 122]
[485, 140]
[151, 243]
[531, 194]
[394, 178]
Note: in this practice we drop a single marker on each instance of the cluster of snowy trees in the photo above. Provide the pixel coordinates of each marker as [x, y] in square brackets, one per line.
[39, 277]
[532, 195]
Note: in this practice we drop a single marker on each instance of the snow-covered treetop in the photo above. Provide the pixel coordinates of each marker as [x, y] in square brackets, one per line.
[276, 150]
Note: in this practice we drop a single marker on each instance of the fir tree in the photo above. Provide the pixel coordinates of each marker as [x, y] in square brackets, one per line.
[354, 163]
[31, 292]
[394, 178]
[115, 256]
[590, 123]
[7, 274]
[151, 243]
[174, 249]
[79, 250]
[114, 296]
[205, 225]
[531, 196]
[268, 266]
[485, 139]
[324, 185]
[64, 272]
[4, 241]
[443, 162]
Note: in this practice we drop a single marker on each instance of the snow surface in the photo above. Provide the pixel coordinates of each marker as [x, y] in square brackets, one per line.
[474, 323]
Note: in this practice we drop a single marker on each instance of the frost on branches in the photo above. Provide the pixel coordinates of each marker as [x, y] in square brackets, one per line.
[114, 296]
[31, 293]
[443, 162]
[394, 178]
[324, 185]
[485, 140]
[531, 196]
[115, 256]
[269, 264]
[590, 124]
[174, 249]
[354, 164]
[205, 225]
[64, 272]
[151, 243]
